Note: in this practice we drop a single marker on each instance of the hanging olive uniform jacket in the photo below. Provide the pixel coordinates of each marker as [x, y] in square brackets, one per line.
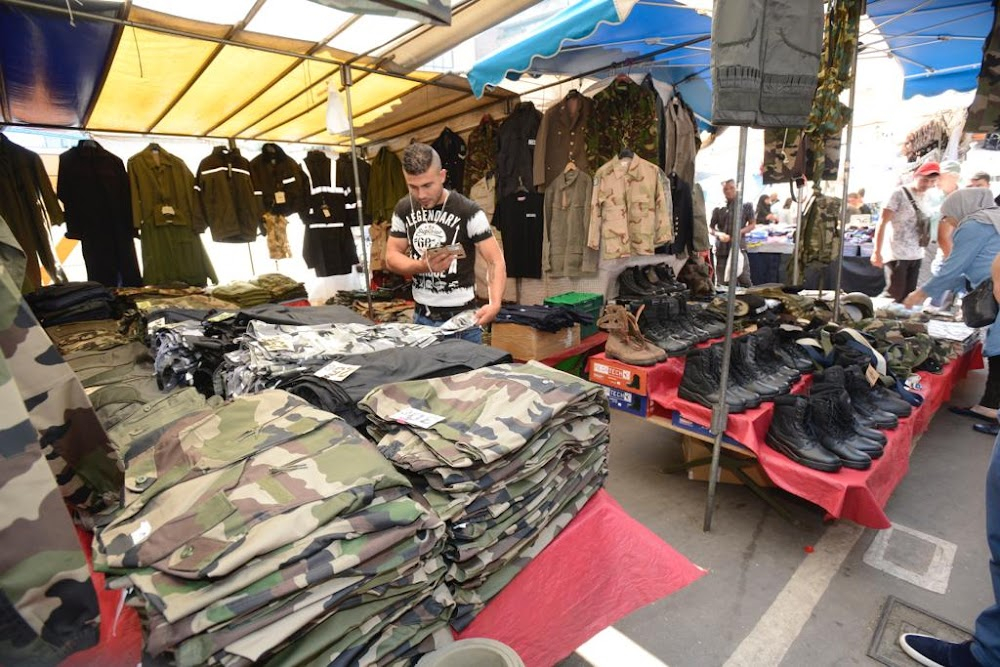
[231, 208]
[168, 216]
[29, 205]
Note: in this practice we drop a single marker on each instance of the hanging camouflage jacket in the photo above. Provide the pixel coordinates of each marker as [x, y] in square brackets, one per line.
[625, 115]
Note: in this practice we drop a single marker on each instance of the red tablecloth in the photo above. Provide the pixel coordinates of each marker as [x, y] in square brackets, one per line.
[858, 495]
[604, 565]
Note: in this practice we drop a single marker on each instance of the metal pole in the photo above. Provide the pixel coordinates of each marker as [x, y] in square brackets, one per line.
[253, 271]
[798, 234]
[345, 78]
[720, 413]
[847, 183]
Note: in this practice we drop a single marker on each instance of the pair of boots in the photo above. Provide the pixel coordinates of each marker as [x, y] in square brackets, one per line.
[650, 280]
[625, 340]
[836, 425]
[759, 370]
[668, 324]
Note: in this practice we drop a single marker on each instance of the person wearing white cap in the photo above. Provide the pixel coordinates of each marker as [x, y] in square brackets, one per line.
[897, 240]
[941, 230]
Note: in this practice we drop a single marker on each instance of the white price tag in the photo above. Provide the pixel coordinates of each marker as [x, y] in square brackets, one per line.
[326, 212]
[872, 375]
[279, 197]
[415, 417]
[167, 210]
[141, 533]
[336, 371]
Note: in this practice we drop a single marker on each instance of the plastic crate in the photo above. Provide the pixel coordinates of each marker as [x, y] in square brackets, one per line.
[584, 302]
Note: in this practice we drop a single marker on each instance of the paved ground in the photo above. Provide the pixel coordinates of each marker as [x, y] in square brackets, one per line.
[766, 601]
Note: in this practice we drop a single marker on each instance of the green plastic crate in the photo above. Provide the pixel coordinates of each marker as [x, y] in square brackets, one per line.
[584, 302]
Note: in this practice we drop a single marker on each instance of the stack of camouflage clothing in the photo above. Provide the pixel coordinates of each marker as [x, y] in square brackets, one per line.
[244, 294]
[506, 455]
[149, 299]
[267, 531]
[281, 287]
[271, 352]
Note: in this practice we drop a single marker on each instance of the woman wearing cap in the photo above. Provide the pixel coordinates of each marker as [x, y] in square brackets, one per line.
[975, 244]
[897, 240]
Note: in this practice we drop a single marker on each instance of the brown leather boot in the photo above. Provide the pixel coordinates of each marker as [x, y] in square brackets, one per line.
[625, 341]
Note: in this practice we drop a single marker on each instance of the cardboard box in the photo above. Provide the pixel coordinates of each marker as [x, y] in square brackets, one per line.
[695, 449]
[524, 342]
[614, 373]
[626, 401]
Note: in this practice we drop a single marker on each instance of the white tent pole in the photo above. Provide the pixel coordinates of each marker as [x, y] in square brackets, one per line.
[847, 182]
[346, 80]
[720, 413]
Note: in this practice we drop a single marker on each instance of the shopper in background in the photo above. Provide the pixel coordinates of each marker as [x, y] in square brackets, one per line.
[720, 227]
[980, 179]
[940, 245]
[897, 240]
[976, 245]
[427, 227]
[764, 215]
[865, 208]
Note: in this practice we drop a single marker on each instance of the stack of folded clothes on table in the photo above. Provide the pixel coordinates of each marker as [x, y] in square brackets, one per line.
[268, 531]
[543, 318]
[339, 394]
[71, 302]
[281, 287]
[87, 335]
[242, 293]
[506, 455]
[149, 299]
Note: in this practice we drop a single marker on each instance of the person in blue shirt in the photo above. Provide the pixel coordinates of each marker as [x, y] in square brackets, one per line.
[975, 244]
[973, 258]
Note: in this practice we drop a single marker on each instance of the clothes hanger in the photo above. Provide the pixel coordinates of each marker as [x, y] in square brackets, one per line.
[522, 189]
[625, 154]
[155, 147]
[570, 166]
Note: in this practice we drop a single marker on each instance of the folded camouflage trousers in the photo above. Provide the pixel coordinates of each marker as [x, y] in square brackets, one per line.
[765, 61]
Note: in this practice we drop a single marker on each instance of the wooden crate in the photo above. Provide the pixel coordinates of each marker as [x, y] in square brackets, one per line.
[524, 342]
[696, 449]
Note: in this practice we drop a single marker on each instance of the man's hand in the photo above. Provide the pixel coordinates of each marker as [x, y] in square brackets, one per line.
[876, 260]
[487, 314]
[723, 237]
[915, 298]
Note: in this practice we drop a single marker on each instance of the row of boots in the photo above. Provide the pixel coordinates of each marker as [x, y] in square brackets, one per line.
[763, 366]
[839, 424]
[649, 280]
[665, 326]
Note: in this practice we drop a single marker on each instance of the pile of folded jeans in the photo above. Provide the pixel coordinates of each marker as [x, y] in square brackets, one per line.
[281, 287]
[543, 318]
[244, 294]
[365, 372]
[71, 302]
[268, 531]
[506, 455]
[269, 353]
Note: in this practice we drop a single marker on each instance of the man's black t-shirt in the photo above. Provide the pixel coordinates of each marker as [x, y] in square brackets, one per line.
[458, 220]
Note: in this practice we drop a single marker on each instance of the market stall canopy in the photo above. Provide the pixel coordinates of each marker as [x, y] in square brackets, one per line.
[249, 69]
[939, 43]
[431, 11]
[667, 39]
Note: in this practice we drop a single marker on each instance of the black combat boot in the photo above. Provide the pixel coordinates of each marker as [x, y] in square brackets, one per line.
[690, 323]
[700, 382]
[834, 427]
[666, 275]
[872, 441]
[628, 287]
[639, 276]
[750, 375]
[668, 313]
[792, 434]
[708, 320]
[763, 341]
[791, 352]
[659, 335]
[866, 402]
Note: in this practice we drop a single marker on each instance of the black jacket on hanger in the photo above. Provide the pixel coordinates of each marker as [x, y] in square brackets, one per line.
[280, 181]
[516, 149]
[227, 194]
[452, 150]
[93, 187]
[683, 208]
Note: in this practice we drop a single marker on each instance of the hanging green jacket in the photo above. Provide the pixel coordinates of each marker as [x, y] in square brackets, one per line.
[386, 185]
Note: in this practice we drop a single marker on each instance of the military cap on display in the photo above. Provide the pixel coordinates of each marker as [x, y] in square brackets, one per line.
[858, 306]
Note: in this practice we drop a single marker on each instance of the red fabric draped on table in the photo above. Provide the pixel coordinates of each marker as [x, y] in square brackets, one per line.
[858, 495]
